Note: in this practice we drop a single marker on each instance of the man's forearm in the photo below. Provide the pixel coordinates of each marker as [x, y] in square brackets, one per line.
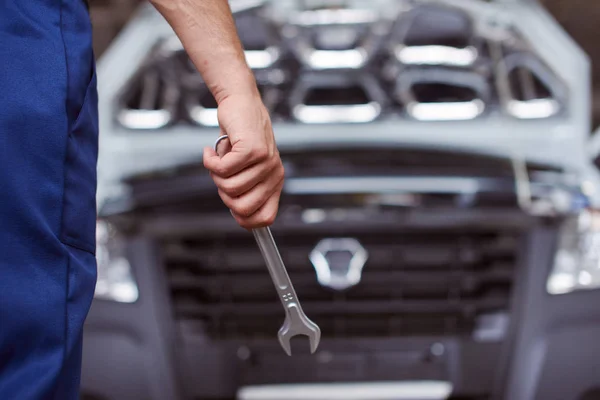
[208, 34]
[250, 176]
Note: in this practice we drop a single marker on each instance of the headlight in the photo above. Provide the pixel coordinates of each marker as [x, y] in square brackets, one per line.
[115, 280]
[577, 260]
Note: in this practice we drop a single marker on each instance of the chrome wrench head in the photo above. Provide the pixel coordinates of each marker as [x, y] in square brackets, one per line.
[297, 323]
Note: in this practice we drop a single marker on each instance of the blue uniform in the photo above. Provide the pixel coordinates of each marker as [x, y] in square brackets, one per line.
[48, 153]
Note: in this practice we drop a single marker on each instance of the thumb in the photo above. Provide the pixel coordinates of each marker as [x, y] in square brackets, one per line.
[210, 158]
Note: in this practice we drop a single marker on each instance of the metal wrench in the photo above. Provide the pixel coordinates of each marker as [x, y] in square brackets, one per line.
[296, 322]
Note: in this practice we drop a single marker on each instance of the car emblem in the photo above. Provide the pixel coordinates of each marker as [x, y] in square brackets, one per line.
[339, 262]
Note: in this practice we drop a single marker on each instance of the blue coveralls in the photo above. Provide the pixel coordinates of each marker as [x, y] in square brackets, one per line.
[48, 152]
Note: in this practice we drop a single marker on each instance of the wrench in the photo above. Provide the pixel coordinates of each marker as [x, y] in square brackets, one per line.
[296, 322]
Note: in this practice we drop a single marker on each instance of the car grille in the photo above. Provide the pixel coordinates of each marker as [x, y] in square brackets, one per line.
[439, 261]
[355, 65]
[414, 283]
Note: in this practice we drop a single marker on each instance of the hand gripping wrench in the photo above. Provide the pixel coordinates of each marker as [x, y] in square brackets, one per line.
[296, 322]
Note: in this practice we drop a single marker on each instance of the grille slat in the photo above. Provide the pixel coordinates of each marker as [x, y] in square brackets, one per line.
[244, 256]
[374, 285]
[331, 309]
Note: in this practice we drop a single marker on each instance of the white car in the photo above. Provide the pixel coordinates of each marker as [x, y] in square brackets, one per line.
[438, 217]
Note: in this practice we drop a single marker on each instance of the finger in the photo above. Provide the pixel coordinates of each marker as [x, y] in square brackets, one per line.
[246, 205]
[210, 158]
[265, 216]
[240, 183]
[238, 159]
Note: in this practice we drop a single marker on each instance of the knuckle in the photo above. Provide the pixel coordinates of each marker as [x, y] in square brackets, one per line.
[244, 222]
[225, 198]
[269, 218]
[275, 162]
[280, 171]
[261, 153]
[231, 188]
[268, 221]
[210, 165]
[218, 170]
[247, 153]
[242, 210]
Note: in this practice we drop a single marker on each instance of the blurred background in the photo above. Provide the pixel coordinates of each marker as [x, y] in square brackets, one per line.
[440, 218]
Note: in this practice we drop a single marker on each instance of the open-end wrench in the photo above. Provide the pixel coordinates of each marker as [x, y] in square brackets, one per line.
[296, 322]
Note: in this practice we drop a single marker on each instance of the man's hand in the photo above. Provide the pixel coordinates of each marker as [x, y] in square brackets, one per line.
[250, 176]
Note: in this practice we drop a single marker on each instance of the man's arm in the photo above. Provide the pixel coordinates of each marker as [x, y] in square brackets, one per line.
[250, 177]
